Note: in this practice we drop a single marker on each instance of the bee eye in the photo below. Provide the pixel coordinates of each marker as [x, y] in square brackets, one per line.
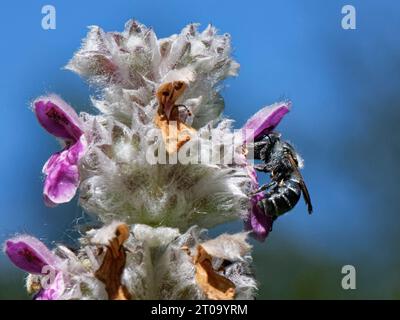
[178, 85]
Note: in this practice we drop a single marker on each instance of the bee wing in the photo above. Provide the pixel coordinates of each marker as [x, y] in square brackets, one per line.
[303, 186]
[264, 121]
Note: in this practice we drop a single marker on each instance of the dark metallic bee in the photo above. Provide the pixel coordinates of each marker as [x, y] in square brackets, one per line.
[281, 161]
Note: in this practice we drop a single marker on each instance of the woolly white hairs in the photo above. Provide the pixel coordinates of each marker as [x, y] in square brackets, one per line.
[156, 266]
[118, 182]
[228, 247]
[170, 270]
[134, 63]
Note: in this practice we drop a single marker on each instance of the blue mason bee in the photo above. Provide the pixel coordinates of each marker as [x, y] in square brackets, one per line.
[281, 162]
[278, 159]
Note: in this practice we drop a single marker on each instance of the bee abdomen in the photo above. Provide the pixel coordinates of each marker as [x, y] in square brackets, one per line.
[282, 198]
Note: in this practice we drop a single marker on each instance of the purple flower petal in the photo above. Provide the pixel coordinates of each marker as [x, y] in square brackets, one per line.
[58, 117]
[264, 121]
[61, 170]
[54, 290]
[62, 174]
[29, 254]
[258, 222]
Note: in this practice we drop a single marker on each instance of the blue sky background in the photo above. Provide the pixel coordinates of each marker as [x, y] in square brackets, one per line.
[343, 84]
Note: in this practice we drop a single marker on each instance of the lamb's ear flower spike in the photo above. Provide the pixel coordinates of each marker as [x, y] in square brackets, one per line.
[61, 170]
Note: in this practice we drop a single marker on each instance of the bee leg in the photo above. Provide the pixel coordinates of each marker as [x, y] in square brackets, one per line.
[258, 148]
[261, 167]
[272, 184]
